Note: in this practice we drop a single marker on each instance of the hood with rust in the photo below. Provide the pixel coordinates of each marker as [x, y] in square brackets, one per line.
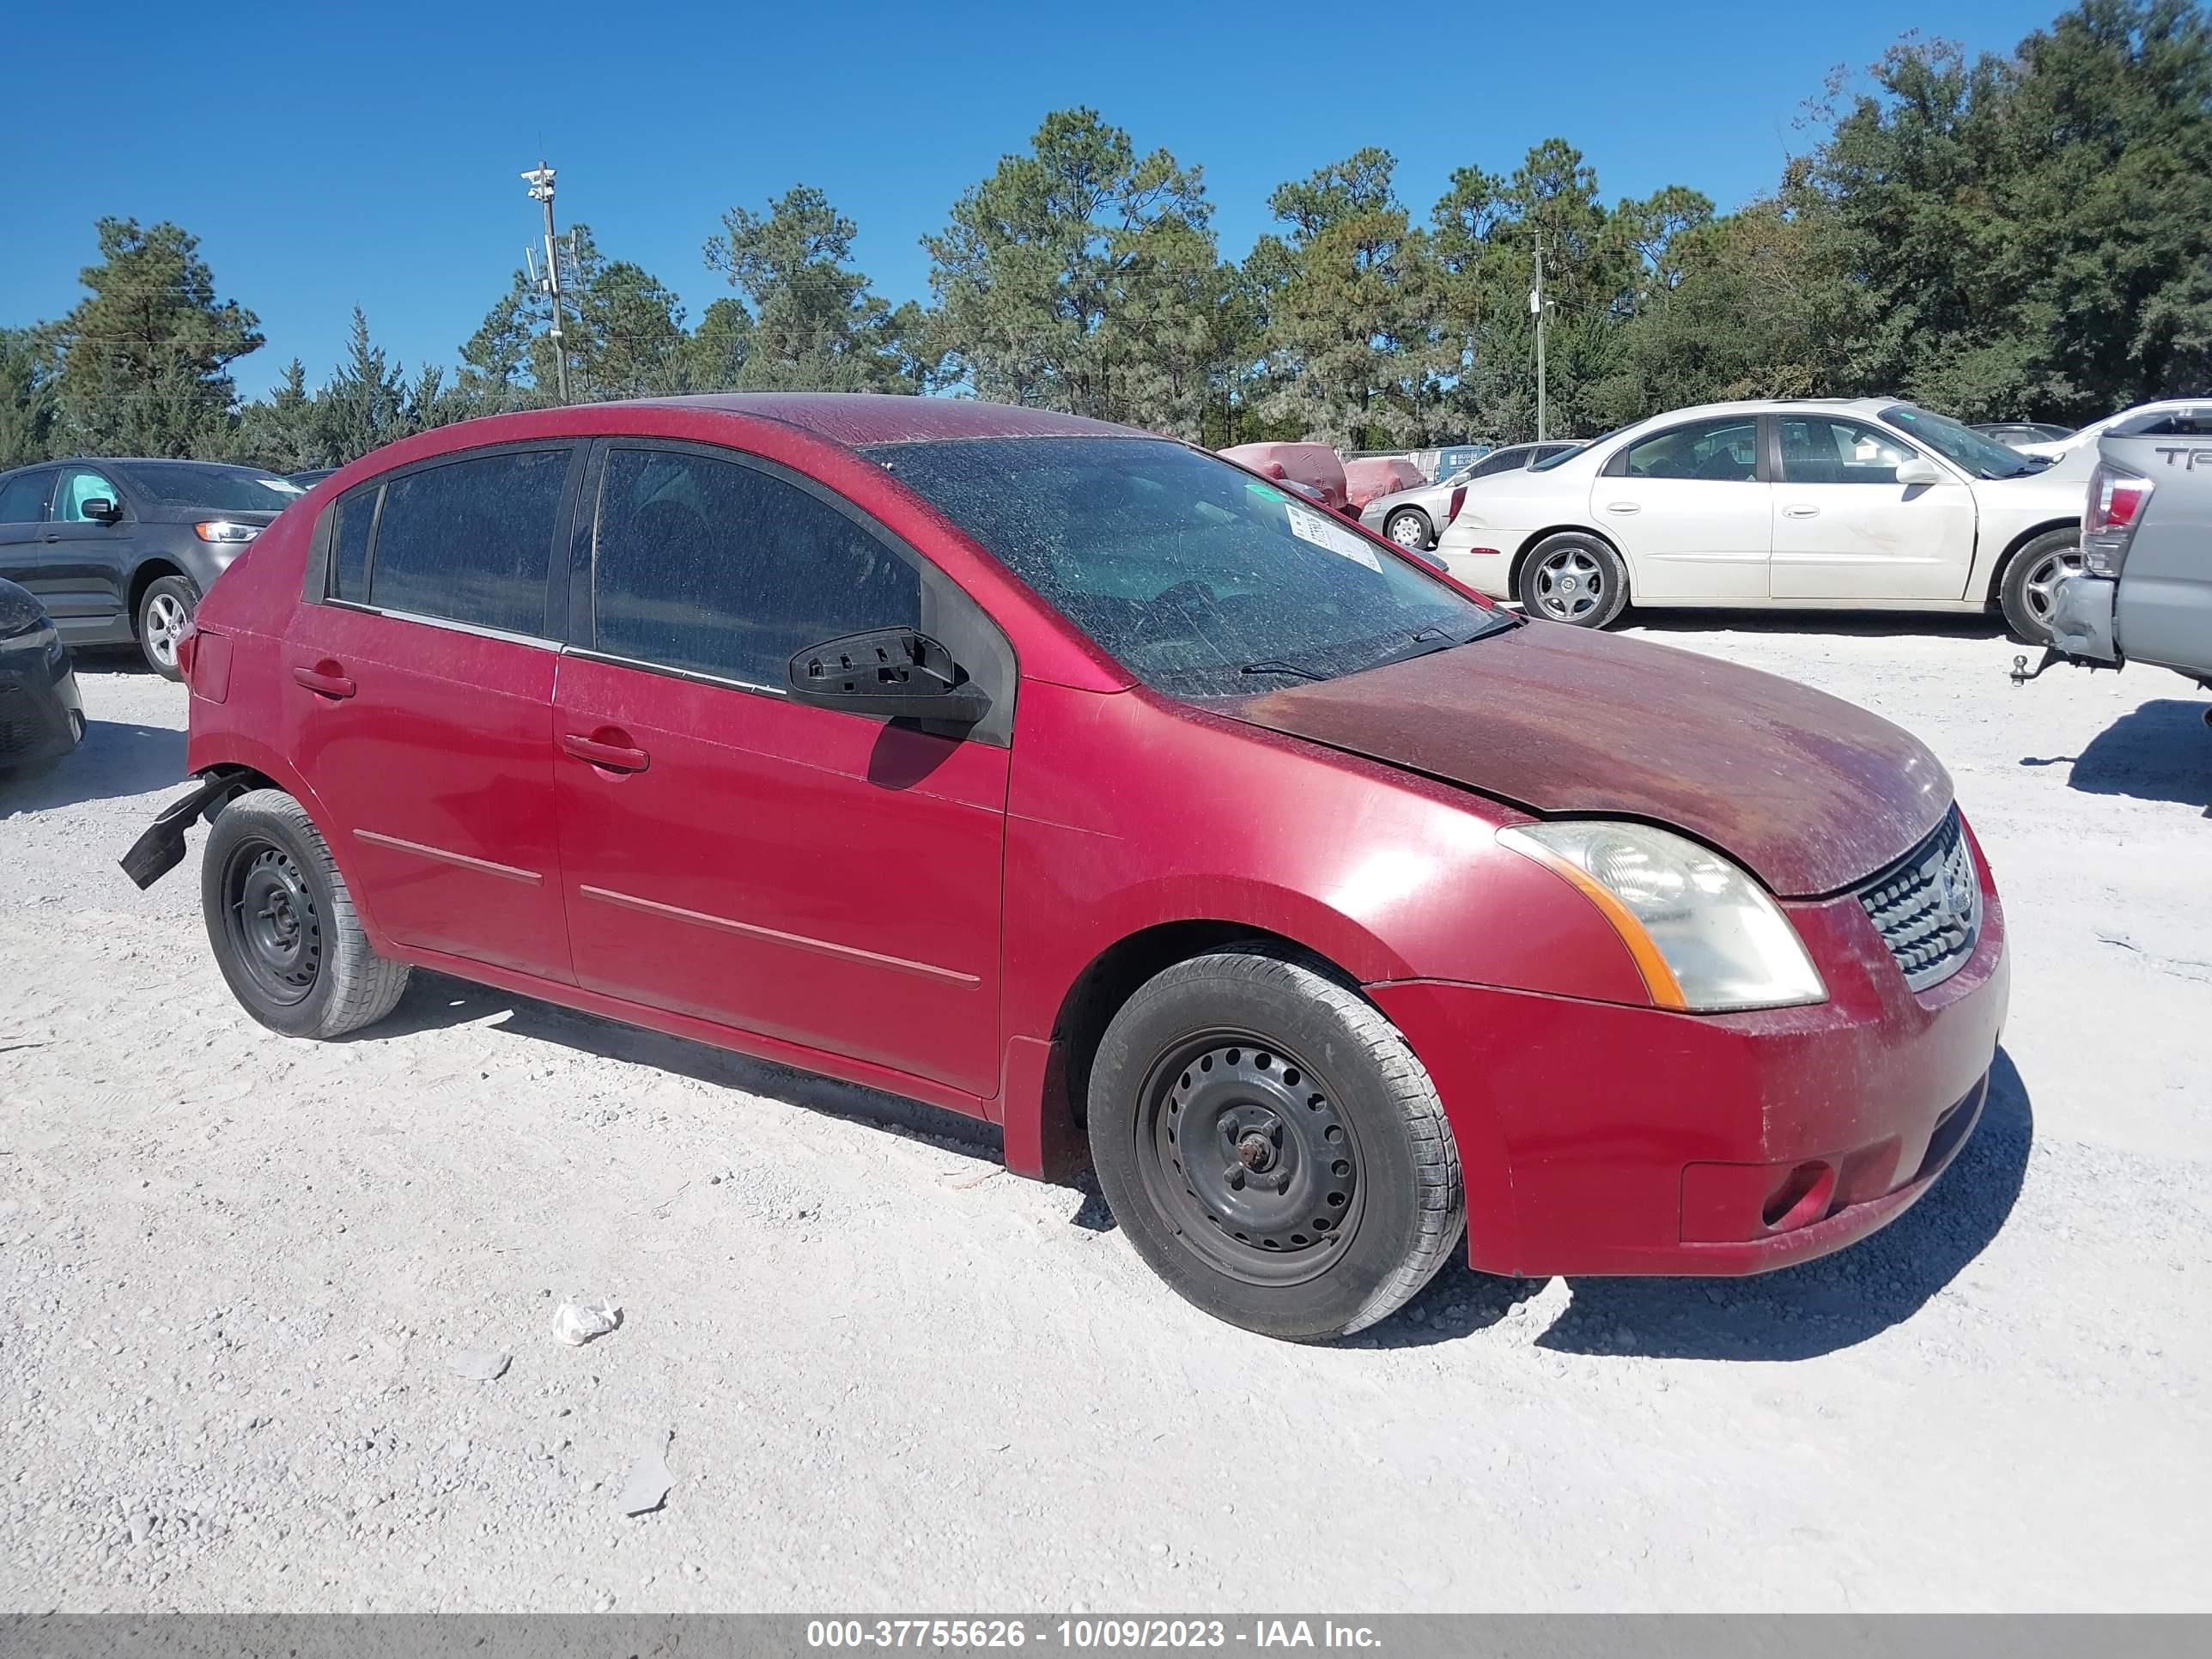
[1810, 793]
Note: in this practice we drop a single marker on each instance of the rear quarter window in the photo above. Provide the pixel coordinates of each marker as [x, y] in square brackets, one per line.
[351, 520]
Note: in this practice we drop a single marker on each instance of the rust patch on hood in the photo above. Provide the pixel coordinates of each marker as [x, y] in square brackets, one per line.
[1810, 792]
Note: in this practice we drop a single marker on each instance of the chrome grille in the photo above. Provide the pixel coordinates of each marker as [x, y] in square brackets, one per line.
[1928, 906]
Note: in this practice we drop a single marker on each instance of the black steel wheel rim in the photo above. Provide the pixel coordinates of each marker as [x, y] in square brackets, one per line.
[272, 921]
[1247, 1153]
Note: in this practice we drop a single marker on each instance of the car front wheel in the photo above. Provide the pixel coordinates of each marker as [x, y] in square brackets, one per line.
[1272, 1146]
[1574, 579]
[1409, 528]
[282, 923]
[164, 610]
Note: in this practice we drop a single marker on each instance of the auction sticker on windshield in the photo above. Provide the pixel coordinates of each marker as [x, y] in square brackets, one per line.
[1312, 527]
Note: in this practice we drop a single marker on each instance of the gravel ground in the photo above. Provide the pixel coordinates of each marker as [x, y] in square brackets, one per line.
[234, 1268]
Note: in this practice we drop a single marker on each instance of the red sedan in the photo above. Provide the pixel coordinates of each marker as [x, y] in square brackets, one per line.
[1082, 781]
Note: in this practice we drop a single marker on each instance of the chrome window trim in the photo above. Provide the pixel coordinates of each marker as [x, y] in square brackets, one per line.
[584, 654]
[446, 623]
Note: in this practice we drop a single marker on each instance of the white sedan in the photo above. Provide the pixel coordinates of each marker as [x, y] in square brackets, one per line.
[2187, 417]
[1814, 504]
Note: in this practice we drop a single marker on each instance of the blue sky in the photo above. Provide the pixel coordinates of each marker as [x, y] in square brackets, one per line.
[328, 156]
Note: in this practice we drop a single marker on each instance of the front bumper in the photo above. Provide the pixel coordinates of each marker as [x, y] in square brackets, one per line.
[2081, 617]
[1601, 1138]
[41, 712]
[1480, 556]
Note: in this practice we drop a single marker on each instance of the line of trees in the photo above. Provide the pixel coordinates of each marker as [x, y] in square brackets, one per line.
[2023, 235]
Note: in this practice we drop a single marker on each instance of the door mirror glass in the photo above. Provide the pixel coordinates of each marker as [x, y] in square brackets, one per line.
[896, 672]
[99, 509]
[1918, 469]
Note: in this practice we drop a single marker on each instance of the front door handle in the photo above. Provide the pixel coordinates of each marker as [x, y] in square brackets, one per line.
[1623, 506]
[323, 684]
[607, 757]
[1800, 511]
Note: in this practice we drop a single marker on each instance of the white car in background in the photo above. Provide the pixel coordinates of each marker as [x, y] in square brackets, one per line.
[2187, 410]
[1413, 518]
[1864, 504]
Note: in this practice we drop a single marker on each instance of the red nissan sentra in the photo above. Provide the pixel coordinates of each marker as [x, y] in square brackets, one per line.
[1080, 781]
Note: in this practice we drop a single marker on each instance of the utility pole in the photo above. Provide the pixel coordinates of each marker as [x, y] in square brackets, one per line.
[540, 180]
[1536, 308]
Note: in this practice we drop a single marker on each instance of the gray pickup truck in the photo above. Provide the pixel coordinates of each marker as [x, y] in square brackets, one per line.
[2144, 592]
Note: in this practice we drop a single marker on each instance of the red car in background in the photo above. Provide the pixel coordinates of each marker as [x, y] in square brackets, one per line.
[1312, 470]
[1368, 477]
[1073, 779]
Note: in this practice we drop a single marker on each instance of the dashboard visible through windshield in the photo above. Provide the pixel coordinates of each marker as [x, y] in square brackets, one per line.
[1982, 455]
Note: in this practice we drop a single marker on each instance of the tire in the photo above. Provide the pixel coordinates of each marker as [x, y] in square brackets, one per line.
[1410, 527]
[282, 924]
[1575, 579]
[1323, 1132]
[2025, 593]
[164, 608]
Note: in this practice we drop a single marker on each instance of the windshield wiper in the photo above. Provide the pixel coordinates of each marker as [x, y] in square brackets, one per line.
[1275, 665]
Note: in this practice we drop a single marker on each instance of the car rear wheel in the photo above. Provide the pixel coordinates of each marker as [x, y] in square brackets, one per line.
[1409, 528]
[2030, 582]
[164, 608]
[1574, 579]
[282, 923]
[1271, 1146]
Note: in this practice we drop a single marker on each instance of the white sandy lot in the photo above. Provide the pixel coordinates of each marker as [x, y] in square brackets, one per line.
[233, 1267]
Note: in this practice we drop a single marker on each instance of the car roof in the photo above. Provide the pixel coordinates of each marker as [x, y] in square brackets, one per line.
[1777, 405]
[152, 460]
[857, 419]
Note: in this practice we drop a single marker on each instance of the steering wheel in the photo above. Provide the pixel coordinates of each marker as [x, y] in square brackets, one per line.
[1172, 608]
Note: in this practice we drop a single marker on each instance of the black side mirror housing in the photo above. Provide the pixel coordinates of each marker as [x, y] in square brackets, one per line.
[896, 672]
[100, 509]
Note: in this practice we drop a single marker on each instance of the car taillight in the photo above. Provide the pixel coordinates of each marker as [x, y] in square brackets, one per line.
[1457, 497]
[2114, 509]
[188, 646]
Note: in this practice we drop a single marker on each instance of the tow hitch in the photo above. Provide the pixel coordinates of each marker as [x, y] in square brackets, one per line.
[2022, 673]
[161, 848]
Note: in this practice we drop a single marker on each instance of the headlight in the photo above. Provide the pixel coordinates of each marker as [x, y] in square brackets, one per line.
[1705, 936]
[225, 532]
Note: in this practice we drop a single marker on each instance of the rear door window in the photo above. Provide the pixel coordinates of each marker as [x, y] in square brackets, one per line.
[1714, 451]
[469, 541]
[23, 500]
[717, 567]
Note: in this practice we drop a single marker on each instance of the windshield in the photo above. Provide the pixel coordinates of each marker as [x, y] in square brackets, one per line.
[218, 488]
[1984, 457]
[1565, 455]
[1200, 579]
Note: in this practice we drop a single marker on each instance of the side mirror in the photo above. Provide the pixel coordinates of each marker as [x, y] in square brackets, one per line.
[1918, 469]
[896, 672]
[99, 509]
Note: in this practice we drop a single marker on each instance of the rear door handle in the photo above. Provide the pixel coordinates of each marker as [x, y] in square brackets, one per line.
[322, 685]
[1800, 511]
[1622, 507]
[607, 757]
